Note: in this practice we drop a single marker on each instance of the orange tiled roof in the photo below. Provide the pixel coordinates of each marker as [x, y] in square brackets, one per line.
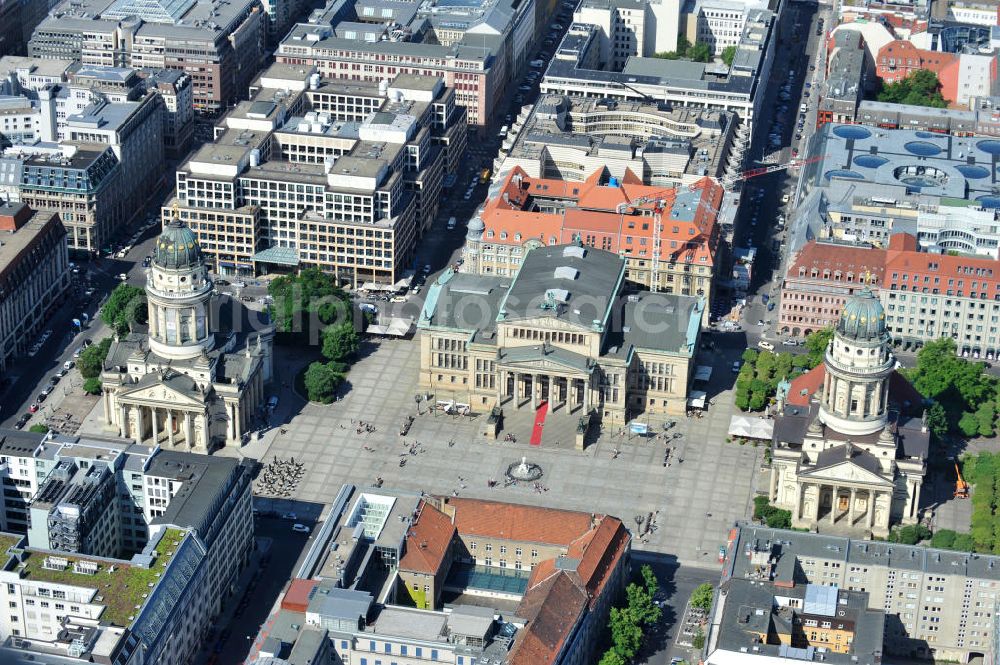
[595, 217]
[552, 609]
[514, 521]
[599, 552]
[809, 383]
[834, 257]
[428, 541]
[900, 258]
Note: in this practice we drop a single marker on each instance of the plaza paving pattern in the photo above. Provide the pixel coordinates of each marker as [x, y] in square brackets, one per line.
[695, 501]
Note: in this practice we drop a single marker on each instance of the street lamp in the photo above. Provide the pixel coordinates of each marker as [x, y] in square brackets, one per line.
[417, 399]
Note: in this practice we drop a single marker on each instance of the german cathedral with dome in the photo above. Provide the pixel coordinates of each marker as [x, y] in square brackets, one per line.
[850, 444]
[195, 379]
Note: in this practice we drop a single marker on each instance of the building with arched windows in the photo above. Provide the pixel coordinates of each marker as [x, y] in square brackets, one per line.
[195, 379]
[850, 450]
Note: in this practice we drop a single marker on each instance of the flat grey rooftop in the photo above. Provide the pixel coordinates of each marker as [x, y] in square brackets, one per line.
[924, 162]
[408, 623]
[568, 282]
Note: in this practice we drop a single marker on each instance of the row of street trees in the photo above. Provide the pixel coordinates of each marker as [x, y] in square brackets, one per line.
[762, 371]
[628, 624]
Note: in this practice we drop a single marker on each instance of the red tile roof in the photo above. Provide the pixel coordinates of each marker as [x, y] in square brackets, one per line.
[900, 259]
[602, 214]
[599, 552]
[514, 521]
[835, 257]
[809, 383]
[556, 595]
[552, 608]
[427, 541]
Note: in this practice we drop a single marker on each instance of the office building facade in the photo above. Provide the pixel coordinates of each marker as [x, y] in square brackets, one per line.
[335, 174]
[34, 275]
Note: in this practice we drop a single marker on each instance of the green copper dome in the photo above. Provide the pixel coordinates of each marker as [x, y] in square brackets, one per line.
[863, 317]
[177, 247]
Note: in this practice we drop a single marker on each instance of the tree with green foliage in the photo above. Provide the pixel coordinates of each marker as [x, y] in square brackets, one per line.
[340, 341]
[92, 386]
[816, 344]
[612, 657]
[698, 642]
[91, 361]
[649, 580]
[937, 421]
[626, 633]
[307, 301]
[947, 539]
[742, 398]
[910, 534]
[701, 597]
[750, 356]
[39, 428]
[964, 395]
[728, 55]
[641, 605]
[964, 543]
[943, 539]
[776, 518]
[700, 52]
[920, 88]
[321, 381]
[126, 305]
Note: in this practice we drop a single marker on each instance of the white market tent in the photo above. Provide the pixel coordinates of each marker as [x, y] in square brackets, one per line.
[748, 427]
[697, 398]
[397, 327]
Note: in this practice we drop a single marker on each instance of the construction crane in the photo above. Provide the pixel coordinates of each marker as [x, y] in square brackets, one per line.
[961, 487]
[659, 202]
[771, 168]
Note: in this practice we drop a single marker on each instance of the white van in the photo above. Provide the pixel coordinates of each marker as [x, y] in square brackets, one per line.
[452, 222]
[767, 346]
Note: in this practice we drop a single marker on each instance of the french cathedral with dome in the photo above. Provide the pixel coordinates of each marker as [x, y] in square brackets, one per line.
[195, 379]
[850, 444]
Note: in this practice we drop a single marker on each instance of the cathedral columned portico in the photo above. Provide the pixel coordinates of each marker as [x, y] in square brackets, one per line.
[195, 379]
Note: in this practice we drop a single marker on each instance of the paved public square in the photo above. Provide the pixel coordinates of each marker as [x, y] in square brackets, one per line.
[707, 486]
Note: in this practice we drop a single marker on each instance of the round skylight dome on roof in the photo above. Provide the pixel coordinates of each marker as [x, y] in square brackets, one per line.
[989, 201]
[991, 146]
[922, 148]
[918, 176]
[870, 161]
[852, 132]
[843, 173]
[972, 172]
